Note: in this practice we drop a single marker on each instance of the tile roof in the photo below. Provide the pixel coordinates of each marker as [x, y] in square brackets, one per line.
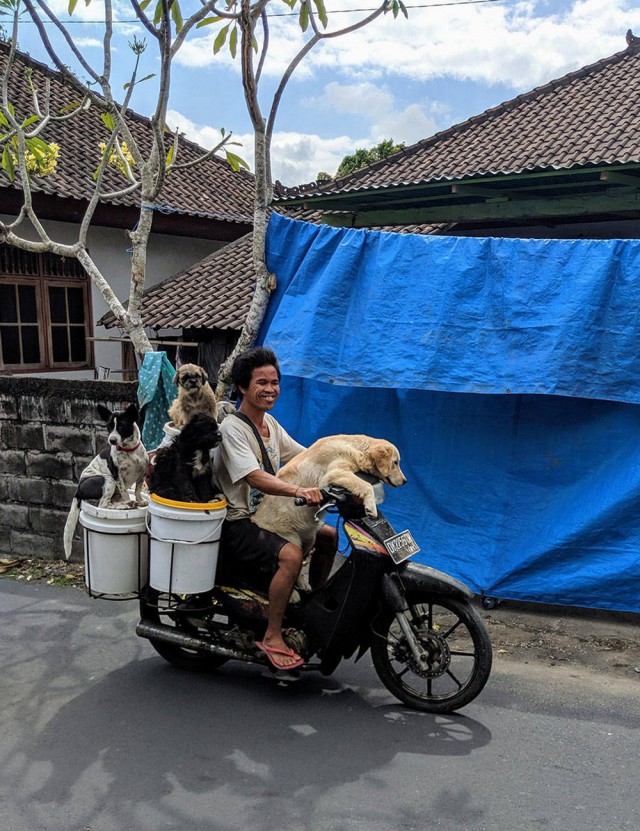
[210, 189]
[588, 117]
[213, 294]
[216, 292]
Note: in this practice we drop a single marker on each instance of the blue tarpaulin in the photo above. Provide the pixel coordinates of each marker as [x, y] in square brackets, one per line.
[507, 371]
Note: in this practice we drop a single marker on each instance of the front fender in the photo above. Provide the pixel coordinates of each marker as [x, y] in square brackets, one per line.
[417, 577]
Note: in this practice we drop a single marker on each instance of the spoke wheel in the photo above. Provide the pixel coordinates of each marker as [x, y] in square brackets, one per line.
[155, 608]
[456, 649]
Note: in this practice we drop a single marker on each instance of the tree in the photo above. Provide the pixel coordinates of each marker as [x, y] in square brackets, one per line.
[362, 157]
[243, 28]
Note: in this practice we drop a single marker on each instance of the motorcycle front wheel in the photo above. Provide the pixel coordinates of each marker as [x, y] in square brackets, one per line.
[457, 651]
[161, 608]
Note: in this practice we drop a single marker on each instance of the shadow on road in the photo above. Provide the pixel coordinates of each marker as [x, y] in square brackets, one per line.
[155, 731]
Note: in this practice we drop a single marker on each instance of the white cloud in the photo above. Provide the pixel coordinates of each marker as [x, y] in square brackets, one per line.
[87, 43]
[523, 43]
[297, 157]
[376, 105]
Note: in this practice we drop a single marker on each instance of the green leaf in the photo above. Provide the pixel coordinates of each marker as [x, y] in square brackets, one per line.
[72, 6]
[146, 78]
[144, 4]
[235, 162]
[207, 21]
[254, 43]
[221, 37]
[38, 142]
[169, 158]
[303, 20]
[109, 123]
[157, 17]
[29, 121]
[69, 107]
[3, 120]
[176, 15]
[233, 41]
[396, 8]
[7, 163]
[322, 12]
[403, 9]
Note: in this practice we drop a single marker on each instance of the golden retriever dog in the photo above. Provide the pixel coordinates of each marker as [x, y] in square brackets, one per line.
[333, 460]
[194, 395]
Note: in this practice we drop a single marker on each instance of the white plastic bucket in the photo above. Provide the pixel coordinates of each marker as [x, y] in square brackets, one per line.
[170, 434]
[184, 543]
[115, 549]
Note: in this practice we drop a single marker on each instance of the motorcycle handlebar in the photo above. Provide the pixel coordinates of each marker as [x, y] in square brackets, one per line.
[333, 495]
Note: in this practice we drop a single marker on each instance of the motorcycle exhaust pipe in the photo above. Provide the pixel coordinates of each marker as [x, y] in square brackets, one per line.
[161, 632]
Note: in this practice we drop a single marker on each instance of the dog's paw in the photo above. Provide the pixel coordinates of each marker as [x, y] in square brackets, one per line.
[370, 507]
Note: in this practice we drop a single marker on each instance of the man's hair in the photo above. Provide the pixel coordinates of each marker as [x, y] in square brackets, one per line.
[244, 364]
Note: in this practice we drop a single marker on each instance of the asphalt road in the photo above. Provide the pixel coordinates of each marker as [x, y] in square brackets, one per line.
[97, 733]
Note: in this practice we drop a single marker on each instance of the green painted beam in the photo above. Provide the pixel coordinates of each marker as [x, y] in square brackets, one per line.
[569, 177]
[520, 209]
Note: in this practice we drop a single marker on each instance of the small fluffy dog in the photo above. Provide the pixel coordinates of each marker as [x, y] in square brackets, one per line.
[194, 395]
[119, 467]
[333, 460]
[183, 470]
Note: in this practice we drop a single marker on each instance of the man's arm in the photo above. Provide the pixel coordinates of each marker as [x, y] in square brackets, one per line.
[265, 482]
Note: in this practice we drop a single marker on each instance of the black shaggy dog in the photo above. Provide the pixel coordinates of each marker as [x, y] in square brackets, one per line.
[183, 470]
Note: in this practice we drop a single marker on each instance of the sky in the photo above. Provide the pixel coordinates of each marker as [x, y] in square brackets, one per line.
[403, 79]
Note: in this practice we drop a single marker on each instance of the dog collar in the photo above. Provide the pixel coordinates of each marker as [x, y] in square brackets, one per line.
[119, 447]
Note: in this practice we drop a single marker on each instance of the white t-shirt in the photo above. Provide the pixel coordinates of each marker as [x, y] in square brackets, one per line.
[240, 455]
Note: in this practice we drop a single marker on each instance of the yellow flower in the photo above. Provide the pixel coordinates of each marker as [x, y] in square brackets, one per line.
[115, 158]
[43, 164]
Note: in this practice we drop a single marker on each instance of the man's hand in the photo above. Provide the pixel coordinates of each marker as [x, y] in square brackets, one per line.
[312, 496]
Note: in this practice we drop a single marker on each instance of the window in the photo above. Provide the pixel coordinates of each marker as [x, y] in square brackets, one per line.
[45, 320]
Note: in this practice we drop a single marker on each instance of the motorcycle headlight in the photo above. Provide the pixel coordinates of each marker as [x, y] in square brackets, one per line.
[378, 490]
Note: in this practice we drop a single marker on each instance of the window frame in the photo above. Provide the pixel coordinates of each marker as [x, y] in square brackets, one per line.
[44, 265]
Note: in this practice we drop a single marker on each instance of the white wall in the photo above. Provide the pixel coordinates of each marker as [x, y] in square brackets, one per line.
[167, 255]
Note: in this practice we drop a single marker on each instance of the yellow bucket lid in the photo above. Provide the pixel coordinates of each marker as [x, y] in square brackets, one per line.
[193, 506]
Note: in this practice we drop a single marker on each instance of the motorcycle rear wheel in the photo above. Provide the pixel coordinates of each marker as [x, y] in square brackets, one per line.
[178, 656]
[454, 637]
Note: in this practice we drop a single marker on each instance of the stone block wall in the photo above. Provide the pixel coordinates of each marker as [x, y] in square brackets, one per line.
[49, 431]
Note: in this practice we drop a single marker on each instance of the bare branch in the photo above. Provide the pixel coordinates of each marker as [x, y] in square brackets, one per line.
[65, 34]
[203, 157]
[265, 45]
[142, 17]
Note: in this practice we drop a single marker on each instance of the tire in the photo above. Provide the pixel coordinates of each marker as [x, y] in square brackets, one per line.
[458, 647]
[153, 608]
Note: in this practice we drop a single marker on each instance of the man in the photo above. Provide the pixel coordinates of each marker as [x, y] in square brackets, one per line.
[247, 550]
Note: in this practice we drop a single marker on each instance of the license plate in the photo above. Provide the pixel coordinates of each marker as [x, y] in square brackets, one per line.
[401, 546]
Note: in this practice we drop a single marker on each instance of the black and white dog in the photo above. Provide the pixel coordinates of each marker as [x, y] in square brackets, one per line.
[183, 470]
[119, 467]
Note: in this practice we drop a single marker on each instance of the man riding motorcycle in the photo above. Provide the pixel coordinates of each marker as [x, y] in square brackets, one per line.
[253, 447]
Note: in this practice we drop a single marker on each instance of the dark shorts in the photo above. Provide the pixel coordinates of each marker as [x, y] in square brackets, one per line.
[248, 553]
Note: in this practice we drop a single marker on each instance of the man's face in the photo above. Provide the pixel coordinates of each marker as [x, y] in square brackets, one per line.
[264, 388]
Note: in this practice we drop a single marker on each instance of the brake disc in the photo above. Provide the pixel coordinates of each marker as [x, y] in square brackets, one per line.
[438, 654]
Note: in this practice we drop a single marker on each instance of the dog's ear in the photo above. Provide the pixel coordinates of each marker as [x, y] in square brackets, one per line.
[104, 413]
[382, 457]
[205, 377]
[132, 411]
[176, 378]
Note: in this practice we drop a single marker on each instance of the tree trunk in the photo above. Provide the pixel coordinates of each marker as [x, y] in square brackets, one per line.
[265, 281]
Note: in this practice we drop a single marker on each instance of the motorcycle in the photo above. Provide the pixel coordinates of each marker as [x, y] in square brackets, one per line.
[428, 644]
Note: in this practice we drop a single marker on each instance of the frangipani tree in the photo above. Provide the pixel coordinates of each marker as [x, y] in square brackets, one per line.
[242, 27]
